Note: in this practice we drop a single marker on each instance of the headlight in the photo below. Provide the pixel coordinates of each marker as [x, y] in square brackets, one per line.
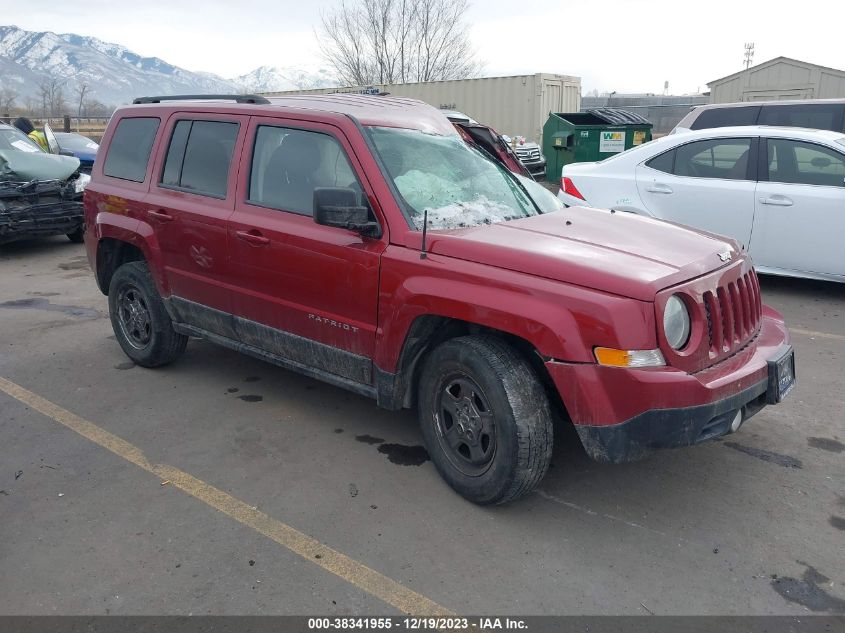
[81, 183]
[676, 322]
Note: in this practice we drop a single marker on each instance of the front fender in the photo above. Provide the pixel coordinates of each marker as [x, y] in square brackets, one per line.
[559, 320]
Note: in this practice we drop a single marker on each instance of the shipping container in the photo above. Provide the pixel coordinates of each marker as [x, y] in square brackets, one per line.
[517, 105]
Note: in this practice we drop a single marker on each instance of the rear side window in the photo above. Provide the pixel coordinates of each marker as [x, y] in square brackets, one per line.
[723, 117]
[288, 164]
[665, 162]
[812, 115]
[725, 158]
[129, 150]
[805, 163]
[199, 156]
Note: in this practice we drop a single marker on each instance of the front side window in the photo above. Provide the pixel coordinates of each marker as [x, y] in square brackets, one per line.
[199, 156]
[718, 158]
[802, 163]
[455, 183]
[288, 164]
[130, 147]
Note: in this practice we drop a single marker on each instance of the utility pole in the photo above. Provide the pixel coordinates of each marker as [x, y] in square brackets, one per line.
[749, 53]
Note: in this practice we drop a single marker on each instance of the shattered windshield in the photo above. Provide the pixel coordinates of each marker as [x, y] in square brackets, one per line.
[455, 183]
[13, 139]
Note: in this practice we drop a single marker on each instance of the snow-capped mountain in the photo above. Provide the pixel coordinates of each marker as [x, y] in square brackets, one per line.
[116, 75]
[269, 78]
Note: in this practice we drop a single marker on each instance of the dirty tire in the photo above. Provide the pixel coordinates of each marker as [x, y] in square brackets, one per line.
[150, 340]
[521, 415]
[78, 236]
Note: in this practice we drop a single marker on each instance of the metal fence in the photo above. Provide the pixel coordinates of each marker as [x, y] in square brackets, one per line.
[664, 112]
[90, 126]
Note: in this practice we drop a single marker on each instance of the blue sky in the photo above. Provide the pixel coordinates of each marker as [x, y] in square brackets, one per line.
[621, 45]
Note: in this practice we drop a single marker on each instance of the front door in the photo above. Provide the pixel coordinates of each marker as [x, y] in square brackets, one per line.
[305, 292]
[800, 214]
[705, 184]
[191, 198]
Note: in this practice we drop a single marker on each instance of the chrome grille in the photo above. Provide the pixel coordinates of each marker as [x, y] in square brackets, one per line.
[528, 154]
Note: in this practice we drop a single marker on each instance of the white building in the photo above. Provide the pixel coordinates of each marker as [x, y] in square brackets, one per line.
[518, 105]
[779, 78]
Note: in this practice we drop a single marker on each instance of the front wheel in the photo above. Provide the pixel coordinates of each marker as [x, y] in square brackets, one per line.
[485, 419]
[78, 236]
[140, 321]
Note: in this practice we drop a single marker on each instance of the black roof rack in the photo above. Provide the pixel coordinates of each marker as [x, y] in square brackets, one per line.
[235, 98]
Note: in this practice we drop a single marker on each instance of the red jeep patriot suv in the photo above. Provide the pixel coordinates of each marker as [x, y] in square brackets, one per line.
[362, 241]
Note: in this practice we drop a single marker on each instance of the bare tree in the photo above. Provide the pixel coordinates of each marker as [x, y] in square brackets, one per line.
[8, 97]
[398, 41]
[81, 91]
[92, 107]
[51, 95]
[30, 105]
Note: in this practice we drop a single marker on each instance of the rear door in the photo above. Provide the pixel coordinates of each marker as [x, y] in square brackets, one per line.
[707, 184]
[800, 208]
[190, 201]
[306, 292]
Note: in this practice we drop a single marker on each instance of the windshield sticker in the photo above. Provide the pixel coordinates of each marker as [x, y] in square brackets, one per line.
[24, 146]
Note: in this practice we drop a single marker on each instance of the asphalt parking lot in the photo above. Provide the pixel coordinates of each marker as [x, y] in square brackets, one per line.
[224, 485]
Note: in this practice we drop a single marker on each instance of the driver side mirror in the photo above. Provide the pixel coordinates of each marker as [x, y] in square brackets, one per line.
[339, 207]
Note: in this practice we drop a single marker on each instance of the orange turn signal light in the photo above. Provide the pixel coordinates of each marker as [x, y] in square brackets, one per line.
[629, 358]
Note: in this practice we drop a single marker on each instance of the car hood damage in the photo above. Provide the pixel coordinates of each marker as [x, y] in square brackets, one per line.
[26, 166]
[619, 253]
[40, 195]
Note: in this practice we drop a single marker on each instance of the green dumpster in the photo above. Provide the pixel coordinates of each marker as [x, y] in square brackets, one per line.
[596, 134]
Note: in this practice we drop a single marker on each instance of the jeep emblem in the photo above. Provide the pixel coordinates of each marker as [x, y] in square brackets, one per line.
[725, 256]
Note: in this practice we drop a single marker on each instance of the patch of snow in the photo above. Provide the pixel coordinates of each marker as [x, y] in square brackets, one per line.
[424, 190]
[461, 215]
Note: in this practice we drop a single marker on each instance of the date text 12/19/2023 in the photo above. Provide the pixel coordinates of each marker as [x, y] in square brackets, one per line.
[417, 623]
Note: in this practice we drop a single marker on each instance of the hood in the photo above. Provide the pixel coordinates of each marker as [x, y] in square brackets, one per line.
[26, 166]
[619, 253]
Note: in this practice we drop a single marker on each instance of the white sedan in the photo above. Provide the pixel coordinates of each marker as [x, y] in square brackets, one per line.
[779, 192]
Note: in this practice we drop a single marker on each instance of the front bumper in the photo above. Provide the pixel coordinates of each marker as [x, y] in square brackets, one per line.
[38, 209]
[625, 414]
[537, 169]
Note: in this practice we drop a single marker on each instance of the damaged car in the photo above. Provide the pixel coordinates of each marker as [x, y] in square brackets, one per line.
[40, 192]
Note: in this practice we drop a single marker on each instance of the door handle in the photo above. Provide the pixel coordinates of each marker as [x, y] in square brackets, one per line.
[253, 237]
[160, 215]
[776, 201]
[659, 188]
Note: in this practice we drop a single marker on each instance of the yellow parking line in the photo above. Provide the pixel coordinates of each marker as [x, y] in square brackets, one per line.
[835, 337]
[352, 571]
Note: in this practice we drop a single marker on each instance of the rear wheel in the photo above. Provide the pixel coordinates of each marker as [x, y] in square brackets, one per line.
[140, 321]
[485, 418]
